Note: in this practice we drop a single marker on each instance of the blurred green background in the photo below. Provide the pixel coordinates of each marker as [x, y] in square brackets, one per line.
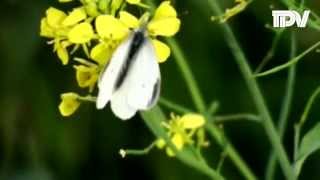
[36, 142]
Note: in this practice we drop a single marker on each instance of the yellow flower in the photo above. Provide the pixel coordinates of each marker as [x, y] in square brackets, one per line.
[61, 48]
[181, 131]
[55, 17]
[81, 33]
[178, 141]
[75, 17]
[69, 103]
[129, 20]
[57, 25]
[109, 27]
[86, 76]
[45, 29]
[164, 23]
[162, 50]
[101, 53]
[192, 121]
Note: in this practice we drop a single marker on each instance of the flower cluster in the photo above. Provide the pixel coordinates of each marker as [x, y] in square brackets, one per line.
[185, 130]
[96, 28]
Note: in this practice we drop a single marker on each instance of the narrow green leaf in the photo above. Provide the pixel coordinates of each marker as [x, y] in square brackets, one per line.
[289, 63]
[309, 144]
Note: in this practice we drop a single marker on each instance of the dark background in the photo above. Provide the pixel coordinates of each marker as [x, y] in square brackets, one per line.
[36, 142]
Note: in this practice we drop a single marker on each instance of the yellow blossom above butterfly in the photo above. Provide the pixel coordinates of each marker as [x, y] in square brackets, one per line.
[164, 23]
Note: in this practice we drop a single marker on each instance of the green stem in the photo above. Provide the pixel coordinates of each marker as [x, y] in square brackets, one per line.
[271, 51]
[303, 119]
[137, 152]
[88, 98]
[199, 103]
[257, 95]
[235, 117]
[297, 132]
[291, 62]
[285, 110]
[298, 126]
[187, 75]
[213, 107]
[173, 106]
[215, 132]
[308, 107]
[223, 156]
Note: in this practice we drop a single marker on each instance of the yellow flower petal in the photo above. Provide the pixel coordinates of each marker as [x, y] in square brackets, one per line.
[74, 17]
[109, 27]
[165, 10]
[192, 121]
[178, 141]
[81, 33]
[86, 76]
[63, 55]
[128, 19]
[45, 29]
[101, 53]
[55, 17]
[162, 50]
[69, 104]
[133, 1]
[164, 27]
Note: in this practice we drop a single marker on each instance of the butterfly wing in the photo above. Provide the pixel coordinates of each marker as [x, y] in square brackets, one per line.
[139, 76]
[144, 78]
[119, 104]
[140, 89]
[108, 78]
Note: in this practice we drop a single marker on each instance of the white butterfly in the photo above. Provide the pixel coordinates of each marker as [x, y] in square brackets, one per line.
[131, 81]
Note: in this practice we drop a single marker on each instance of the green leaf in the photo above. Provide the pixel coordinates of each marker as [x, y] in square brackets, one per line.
[310, 143]
[153, 119]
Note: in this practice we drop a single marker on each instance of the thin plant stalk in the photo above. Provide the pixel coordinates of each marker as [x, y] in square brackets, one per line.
[285, 110]
[200, 105]
[271, 51]
[257, 96]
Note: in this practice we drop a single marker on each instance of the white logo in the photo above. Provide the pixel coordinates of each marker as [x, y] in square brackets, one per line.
[286, 18]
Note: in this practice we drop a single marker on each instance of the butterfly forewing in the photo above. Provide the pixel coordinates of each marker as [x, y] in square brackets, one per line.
[108, 77]
[145, 78]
